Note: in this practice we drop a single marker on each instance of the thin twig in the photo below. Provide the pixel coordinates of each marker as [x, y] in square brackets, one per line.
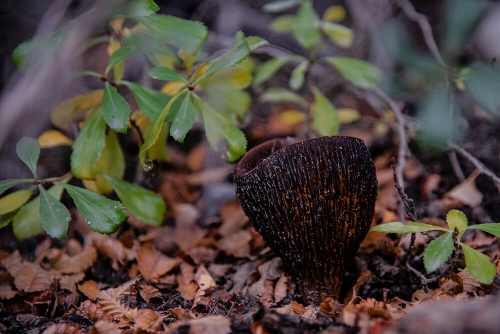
[452, 155]
[402, 145]
[425, 27]
[409, 206]
[425, 281]
[478, 164]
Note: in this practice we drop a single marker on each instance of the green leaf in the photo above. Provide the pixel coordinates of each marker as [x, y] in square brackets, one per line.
[483, 85]
[255, 42]
[165, 73]
[183, 34]
[184, 119]
[282, 95]
[22, 52]
[479, 265]
[27, 221]
[83, 73]
[138, 8]
[456, 218]
[279, 6]
[149, 100]
[356, 71]
[14, 201]
[144, 204]
[156, 129]
[238, 51]
[411, 227]
[283, 23]
[119, 56]
[7, 184]
[145, 42]
[115, 109]
[28, 150]
[338, 34]
[492, 228]
[438, 252]
[325, 118]
[54, 215]
[462, 16]
[306, 26]
[297, 77]
[230, 102]
[88, 146]
[101, 214]
[436, 126]
[6, 219]
[270, 67]
[219, 128]
[64, 113]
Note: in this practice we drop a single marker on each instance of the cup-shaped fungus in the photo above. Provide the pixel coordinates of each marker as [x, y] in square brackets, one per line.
[313, 202]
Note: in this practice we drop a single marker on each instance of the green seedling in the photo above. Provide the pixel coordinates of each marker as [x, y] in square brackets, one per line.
[440, 249]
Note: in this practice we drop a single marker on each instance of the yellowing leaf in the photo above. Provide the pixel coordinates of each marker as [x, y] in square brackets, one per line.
[338, 34]
[53, 138]
[158, 151]
[325, 119]
[334, 13]
[235, 77]
[292, 117]
[27, 221]
[173, 87]
[283, 23]
[456, 219]
[348, 116]
[64, 112]
[188, 60]
[14, 201]
[111, 162]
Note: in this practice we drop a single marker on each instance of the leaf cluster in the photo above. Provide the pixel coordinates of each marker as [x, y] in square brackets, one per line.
[311, 32]
[209, 89]
[440, 249]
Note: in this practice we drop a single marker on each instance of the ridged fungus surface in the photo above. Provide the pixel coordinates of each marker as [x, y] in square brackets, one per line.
[313, 202]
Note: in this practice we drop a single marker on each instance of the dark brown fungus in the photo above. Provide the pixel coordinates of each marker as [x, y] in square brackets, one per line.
[312, 202]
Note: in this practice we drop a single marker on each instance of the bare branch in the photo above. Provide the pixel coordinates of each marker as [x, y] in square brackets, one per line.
[402, 145]
[425, 27]
[478, 164]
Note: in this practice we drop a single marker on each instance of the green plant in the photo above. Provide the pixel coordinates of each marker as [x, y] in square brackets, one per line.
[97, 157]
[311, 33]
[440, 249]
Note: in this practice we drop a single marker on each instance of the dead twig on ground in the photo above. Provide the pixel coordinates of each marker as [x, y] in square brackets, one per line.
[478, 164]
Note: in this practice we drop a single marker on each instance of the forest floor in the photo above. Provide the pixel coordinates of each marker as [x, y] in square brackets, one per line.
[206, 270]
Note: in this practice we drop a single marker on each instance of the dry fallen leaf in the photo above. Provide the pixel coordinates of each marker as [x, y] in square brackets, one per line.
[281, 288]
[112, 248]
[111, 305]
[213, 324]
[92, 311]
[89, 288]
[152, 264]
[78, 263]
[64, 328]
[105, 327]
[147, 292]
[466, 192]
[31, 277]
